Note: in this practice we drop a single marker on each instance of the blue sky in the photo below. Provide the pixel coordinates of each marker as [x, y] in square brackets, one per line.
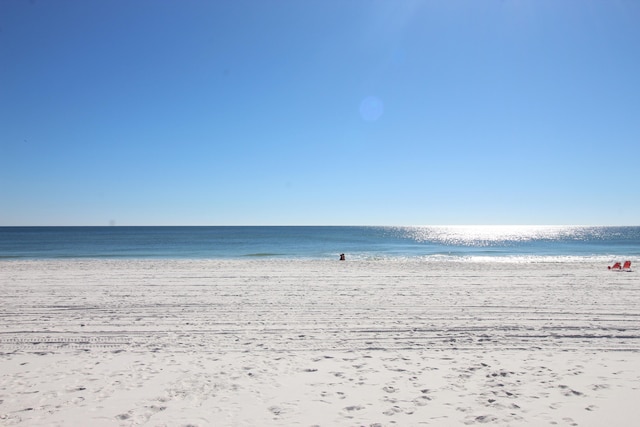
[319, 112]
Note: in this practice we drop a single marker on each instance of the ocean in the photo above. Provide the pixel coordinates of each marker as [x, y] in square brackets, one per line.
[430, 243]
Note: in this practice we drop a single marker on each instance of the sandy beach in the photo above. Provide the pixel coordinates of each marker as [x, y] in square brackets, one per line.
[317, 343]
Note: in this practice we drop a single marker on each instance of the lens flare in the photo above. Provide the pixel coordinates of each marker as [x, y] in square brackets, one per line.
[371, 108]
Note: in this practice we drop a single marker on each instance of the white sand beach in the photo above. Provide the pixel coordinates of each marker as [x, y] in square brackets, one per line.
[317, 343]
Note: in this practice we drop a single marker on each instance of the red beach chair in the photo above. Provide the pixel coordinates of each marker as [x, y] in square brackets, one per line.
[627, 266]
[615, 266]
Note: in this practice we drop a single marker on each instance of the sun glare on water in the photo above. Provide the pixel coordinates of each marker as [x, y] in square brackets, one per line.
[486, 235]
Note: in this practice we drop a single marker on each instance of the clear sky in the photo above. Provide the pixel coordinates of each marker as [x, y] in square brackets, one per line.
[320, 112]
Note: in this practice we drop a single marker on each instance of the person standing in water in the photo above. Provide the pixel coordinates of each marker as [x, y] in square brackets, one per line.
[342, 258]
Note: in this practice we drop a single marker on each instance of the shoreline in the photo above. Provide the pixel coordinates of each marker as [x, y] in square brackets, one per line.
[597, 261]
[282, 342]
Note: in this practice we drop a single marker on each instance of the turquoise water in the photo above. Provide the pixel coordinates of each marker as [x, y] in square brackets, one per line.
[429, 243]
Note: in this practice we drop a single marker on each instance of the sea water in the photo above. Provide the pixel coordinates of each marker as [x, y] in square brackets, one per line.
[429, 243]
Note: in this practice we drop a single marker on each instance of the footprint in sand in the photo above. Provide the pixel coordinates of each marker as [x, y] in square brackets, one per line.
[392, 411]
[422, 401]
[481, 419]
[275, 410]
[569, 391]
[123, 417]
